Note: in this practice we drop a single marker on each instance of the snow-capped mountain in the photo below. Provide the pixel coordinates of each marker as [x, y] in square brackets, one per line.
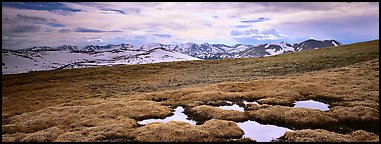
[66, 56]
[221, 51]
[266, 50]
[208, 51]
[45, 58]
[315, 44]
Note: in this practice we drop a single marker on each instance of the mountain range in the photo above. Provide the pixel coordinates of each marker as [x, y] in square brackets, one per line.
[67, 56]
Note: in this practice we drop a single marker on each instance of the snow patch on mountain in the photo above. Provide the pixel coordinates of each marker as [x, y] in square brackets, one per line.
[25, 61]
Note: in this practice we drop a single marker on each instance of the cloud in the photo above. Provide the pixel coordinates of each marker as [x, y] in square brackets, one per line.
[255, 35]
[56, 24]
[5, 38]
[95, 40]
[225, 22]
[89, 30]
[244, 26]
[49, 6]
[163, 35]
[25, 29]
[64, 30]
[34, 18]
[106, 11]
[261, 19]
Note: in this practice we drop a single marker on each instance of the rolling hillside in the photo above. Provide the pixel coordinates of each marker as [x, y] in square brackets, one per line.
[104, 103]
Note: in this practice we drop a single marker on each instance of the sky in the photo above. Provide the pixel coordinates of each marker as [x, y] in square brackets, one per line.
[29, 24]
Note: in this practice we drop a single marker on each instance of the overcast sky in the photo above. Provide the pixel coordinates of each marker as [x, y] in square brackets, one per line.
[53, 24]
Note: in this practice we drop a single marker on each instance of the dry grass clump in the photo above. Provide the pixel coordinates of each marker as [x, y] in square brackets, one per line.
[234, 87]
[357, 117]
[75, 136]
[277, 101]
[108, 129]
[256, 107]
[356, 113]
[308, 88]
[74, 116]
[218, 103]
[173, 131]
[320, 135]
[203, 113]
[222, 128]
[95, 122]
[210, 95]
[169, 95]
[16, 137]
[170, 132]
[47, 135]
[366, 103]
[298, 118]
[192, 97]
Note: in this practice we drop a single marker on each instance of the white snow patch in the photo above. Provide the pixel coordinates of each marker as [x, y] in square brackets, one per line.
[334, 43]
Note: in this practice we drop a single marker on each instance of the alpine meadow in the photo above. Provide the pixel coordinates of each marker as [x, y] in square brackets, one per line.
[160, 72]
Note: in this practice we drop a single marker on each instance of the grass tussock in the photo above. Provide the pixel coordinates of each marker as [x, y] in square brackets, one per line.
[357, 117]
[47, 135]
[203, 113]
[93, 122]
[298, 118]
[320, 135]
[212, 130]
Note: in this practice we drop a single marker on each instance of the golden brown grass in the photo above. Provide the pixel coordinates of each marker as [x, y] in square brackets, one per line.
[320, 135]
[212, 130]
[292, 117]
[104, 103]
[112, 118]
[203, 113]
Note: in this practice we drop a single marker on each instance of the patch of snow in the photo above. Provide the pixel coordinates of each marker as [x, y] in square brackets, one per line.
[334, 43]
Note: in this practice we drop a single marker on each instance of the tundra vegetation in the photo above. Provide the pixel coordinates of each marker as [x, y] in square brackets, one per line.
[105, 103]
